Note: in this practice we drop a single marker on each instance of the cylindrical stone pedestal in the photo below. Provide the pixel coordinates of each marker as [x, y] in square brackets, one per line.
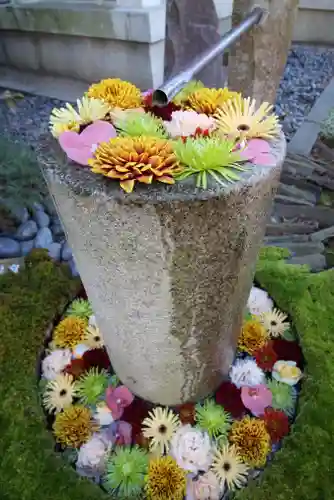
[168, 270]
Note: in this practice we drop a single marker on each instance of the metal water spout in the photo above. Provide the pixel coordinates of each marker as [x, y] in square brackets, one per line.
[169, 89]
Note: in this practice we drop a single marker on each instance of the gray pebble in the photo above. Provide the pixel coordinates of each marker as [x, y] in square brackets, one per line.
[73, 267]
[37, 207]
[26, 247]
[26, 231]
[50, 207]
[21, 214]
[9, 248]
[43, 238]
[54, 251]
[66, 252]
[42, 219]
[57, 229]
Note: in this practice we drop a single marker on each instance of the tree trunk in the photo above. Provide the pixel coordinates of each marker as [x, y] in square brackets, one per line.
[257, 60]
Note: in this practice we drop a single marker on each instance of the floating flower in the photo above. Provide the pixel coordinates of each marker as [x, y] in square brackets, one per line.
[59, 393]
[165, 480]
[80, 308]
[229, 397]
[68, 119]
[253, 336]
[93, 337]
[274, 322]
[213, 418]
[251, 440]
[191, 449]
[277, 424]
[229, 468]
[240, 118]
[163, 112]
[55, 363]
[287, 372]
[245, 372]
[69, 332]
[103, 415]
[92, 457]
[98, 358]
[81, 147]
[256, 398]
[117, 399]
[208, 100]
[126, 471]
[117, 114]
[283, 396]
[288, 351]
[266, 357]
[134, 124]
[186, 123]
[74, 426]
[76, 368]
[91, 385]
[258, 151]
[187, 413]
[205, 487]
[189, 88]
[259, 302]
[136, 159]
[160, 426]
[205, 157]
[116, 93]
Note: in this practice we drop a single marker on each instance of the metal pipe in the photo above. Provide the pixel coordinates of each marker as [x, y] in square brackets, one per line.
[164, 94]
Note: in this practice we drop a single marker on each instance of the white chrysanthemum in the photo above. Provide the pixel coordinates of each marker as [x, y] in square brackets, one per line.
[192, 449]
[274, 322]
[259, 302]
[229, 467]
[159, 427]
[185, 123]
[93, 337]
[59, 393]
[92, 456]
[55, 363]
[245, 372]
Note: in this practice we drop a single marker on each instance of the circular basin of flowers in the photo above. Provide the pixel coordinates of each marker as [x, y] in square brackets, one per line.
[196, 451]
[208, 134]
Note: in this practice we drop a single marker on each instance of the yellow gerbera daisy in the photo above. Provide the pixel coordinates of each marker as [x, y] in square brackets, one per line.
[240, 119]
[159, 427]
[59, 393]
[274, 322]
[229, 468]
[93, 337]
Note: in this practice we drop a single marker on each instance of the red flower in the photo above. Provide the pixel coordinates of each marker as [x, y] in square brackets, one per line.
[135, 414]
[199, 132]
[96, 358]
[229, 396]
[288, 351]
[277, 424]
[76, 368]
[187, 413]
[164, 112]
[266, 357]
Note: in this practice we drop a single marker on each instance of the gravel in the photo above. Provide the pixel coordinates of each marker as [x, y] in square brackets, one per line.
[308, 71]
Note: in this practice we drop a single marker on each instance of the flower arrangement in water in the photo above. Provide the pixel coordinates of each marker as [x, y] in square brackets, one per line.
[134, 449]
[210, 134]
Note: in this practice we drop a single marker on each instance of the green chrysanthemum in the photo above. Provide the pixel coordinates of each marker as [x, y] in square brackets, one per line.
[182, 96]
[80, 308]
[208, 156]
[136, 124]
[283, 396]
[91, 385]
[214, 419]
[126, 470]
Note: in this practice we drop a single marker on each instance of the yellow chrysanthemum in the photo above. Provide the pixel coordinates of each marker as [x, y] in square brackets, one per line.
[67, 118]
[229, 468]
[274, 322]
[240, 118]
[136, 159]
[207, 100]
[159, 427]
[59, 393]
[253, 336]
[93, 337]
[165, 480]
[251, 440]
[70, 332]
[74, 426]
[116, 93]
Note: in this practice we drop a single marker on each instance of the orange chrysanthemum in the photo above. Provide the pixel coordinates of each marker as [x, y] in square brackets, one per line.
[70, 332]
[74, 426]
[252, 440]
[116, 93]
[253, 336]
[136, 159]
[207, 100]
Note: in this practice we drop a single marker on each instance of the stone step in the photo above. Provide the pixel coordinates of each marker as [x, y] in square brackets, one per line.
[301, 183]
[291, 200]
[295, 192]
[298, 248]
[281, 229]
[297, 238]
[323, 215]
[317, 262]
[322, 235]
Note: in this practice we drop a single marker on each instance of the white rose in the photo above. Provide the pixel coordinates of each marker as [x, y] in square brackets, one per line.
[92, 456]
[55, 363]
[259, 302]
[192, 449]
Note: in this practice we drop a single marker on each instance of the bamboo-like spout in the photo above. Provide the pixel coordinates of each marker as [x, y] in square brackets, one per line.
[164, 94]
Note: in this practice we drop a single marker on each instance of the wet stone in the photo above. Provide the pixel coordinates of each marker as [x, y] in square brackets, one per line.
[26, 231]
[9, 248]
[42, 219]
[43, 238]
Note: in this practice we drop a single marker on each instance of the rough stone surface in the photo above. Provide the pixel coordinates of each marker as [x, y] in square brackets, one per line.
[258, 59]
[42, 219]
[322, 235]
[317, 262]
[192, 27]
[323, 215]
[26, 231]
[9, 248]
[168, 270]
[299, 249]
[293, 228]
[43, 238]
[291, 200]
[295, 192]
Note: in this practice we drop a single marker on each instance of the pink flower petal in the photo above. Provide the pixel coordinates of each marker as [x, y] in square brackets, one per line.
[259, 146]
[123, 396]
[114, 407]
[79, 155]
[97, 132]
[266, 159]
[69, 140]
[124, 431]
[256, 398]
